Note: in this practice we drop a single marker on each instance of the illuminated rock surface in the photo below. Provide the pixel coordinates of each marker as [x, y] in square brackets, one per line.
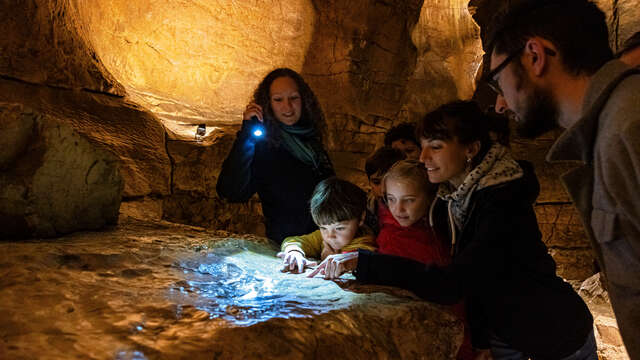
[449, 56]
[162, 291]
[119, 71]
[194, 61]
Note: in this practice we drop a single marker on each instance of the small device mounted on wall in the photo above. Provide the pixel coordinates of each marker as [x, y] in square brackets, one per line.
[201, 130]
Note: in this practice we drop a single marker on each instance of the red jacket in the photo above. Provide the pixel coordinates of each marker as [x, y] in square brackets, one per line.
[418, 241]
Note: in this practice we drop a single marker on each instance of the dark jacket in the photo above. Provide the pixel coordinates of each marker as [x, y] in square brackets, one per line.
[503, 270]
[283, 183]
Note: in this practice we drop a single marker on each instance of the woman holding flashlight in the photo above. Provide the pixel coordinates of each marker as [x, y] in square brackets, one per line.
[279, 154]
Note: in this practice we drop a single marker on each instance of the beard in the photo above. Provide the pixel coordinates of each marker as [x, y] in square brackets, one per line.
[540, 115]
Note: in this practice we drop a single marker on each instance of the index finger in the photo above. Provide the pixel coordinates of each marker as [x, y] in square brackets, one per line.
[317, 270]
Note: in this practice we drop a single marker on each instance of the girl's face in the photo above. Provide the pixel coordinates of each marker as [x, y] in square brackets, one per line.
[446, 160]
[286, 101]
[407, 201]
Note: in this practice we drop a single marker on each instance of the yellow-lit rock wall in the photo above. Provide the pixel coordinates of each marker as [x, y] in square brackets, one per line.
[449, 56]
[192, 62]
[123, 73]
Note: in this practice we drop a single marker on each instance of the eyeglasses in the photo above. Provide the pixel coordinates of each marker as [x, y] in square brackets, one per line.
[491, 77]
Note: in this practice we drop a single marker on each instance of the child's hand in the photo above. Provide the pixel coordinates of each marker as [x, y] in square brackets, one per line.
[335, 265]
[294, 261]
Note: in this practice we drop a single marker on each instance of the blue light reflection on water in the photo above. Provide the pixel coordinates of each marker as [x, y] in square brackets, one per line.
[246, 287]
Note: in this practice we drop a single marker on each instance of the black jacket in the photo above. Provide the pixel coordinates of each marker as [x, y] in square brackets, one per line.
[503, 271]
[283, 183]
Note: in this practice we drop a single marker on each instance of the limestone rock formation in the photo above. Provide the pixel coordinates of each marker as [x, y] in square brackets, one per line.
[449, 56]
[609, 341]
[193, 197]
[372, 64]
[55, 182]
[193, 62]
[134, 136]
[165, 291]
[41, 44]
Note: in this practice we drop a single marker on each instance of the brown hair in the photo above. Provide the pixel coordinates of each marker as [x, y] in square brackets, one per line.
[462, 120]
[336, 200]
[311, 110]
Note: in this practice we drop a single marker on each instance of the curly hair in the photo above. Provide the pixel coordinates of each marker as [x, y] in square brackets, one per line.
[311, 110]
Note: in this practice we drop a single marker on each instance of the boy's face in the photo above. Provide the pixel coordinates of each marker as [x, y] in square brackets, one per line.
[407, 202]
[339, 234]
[408, 147]
[375, 181]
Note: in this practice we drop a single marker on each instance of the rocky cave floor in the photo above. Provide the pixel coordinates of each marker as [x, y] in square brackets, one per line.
[150, 290]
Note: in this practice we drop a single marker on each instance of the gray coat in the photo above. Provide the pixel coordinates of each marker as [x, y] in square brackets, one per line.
[606, 188]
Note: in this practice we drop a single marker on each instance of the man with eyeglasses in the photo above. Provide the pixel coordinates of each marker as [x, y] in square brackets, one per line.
[551, 65]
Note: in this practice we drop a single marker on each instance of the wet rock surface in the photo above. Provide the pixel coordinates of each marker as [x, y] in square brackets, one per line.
[165, 291]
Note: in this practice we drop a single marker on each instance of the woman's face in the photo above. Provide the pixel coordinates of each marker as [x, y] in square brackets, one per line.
[407, 201]
[445, 160]
[286, 101]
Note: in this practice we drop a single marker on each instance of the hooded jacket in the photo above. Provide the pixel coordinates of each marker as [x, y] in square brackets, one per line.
[502, 269]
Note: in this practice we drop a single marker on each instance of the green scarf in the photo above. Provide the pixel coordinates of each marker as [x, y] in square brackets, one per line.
[301, 141]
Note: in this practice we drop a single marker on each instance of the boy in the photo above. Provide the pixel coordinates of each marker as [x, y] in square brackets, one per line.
[403, 138]
[376, 166]
[338, 208]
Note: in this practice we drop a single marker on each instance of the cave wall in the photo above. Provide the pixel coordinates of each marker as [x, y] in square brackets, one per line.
[41, 44]
[196, 62]
[135, 78]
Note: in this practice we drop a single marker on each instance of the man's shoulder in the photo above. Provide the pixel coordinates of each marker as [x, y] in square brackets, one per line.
[620, 114]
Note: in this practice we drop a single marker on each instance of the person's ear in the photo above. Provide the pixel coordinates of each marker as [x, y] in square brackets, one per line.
[473, 149]
[362, 217]
[536, 59]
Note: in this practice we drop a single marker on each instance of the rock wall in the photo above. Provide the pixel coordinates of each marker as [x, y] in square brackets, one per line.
[52, 180]
[369, 63]
[192, 62]
[41, 45]
[125, 74]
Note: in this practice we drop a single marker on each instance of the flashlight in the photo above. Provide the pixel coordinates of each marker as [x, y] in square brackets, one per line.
[257, 128]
